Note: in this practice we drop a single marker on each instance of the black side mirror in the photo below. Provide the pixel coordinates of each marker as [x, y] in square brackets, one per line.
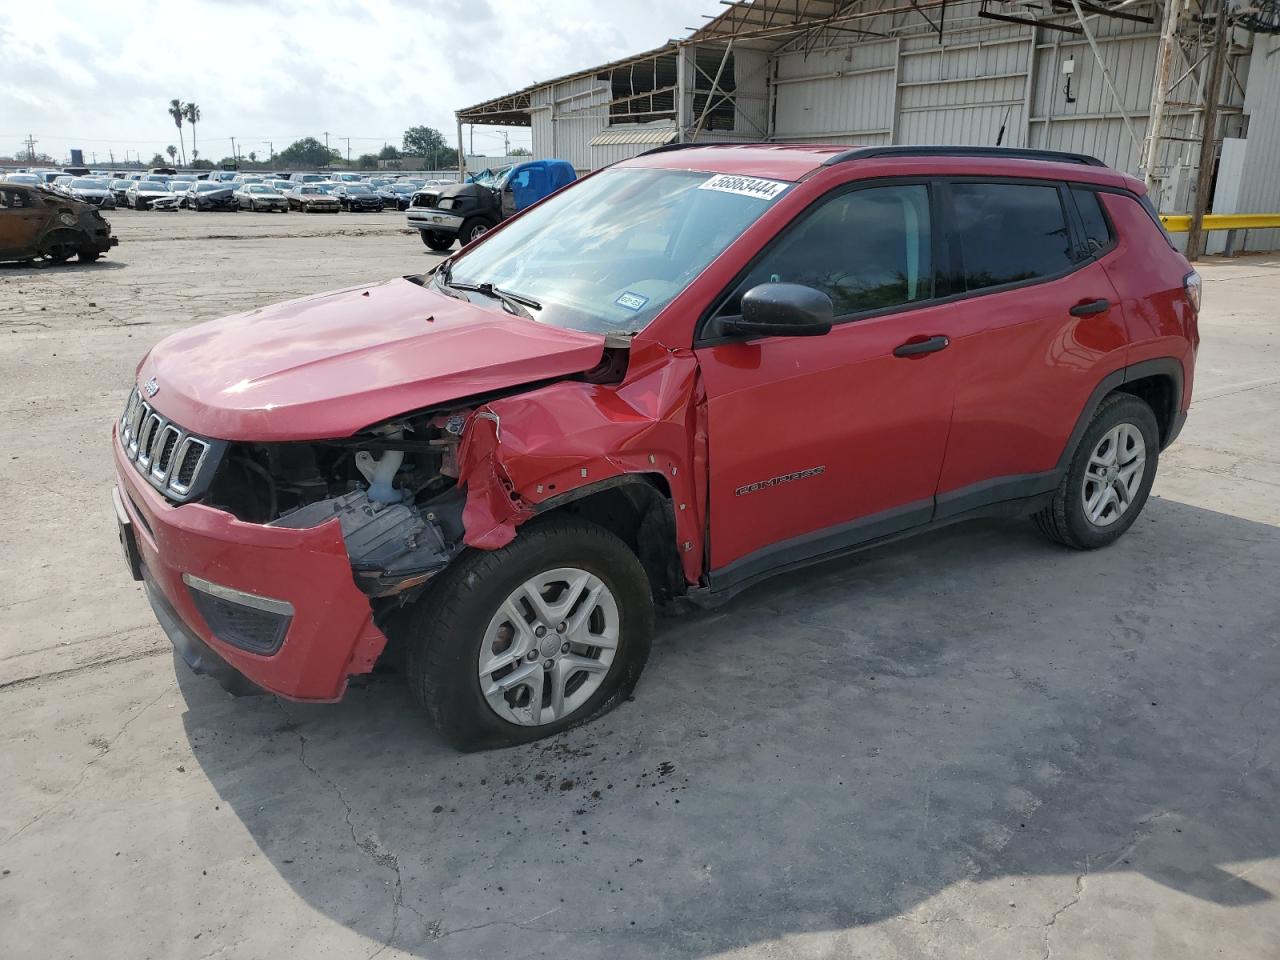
[782, 310]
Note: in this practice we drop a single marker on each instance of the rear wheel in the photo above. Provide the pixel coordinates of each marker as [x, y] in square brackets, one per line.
[520, 643]
[436, 240]
[1109, 478]
[59, 245]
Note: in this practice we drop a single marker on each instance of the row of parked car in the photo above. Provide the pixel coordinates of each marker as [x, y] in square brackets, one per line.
[228, 190]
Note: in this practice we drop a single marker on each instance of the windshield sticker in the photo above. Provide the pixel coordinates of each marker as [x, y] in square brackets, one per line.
[632, 301]
[745, 186]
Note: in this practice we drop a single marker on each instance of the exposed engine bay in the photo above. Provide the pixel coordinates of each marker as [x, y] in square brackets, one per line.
[393, 489]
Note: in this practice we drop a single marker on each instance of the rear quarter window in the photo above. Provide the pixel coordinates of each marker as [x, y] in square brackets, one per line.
[1097, 228]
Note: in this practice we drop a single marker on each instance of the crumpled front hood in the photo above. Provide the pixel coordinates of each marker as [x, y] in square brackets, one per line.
[332, 364]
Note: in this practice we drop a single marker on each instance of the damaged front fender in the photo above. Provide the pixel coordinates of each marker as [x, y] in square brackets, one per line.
[522, 451]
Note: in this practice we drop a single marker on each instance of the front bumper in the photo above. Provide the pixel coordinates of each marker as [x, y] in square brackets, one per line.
[331, 635]
[436, 221]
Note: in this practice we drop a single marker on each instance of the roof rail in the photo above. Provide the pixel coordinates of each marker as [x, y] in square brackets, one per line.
[666, 147]
[1016, 153]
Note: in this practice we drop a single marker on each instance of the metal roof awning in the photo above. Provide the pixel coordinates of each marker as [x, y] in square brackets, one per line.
[642, 135]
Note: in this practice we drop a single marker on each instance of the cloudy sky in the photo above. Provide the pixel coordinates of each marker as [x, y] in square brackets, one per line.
[100, 75]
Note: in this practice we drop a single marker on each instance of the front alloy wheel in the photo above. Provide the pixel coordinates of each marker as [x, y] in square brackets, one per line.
[549, 646]
[511, 645]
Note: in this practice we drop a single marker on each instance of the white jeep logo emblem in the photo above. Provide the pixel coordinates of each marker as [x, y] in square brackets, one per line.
[152, 387]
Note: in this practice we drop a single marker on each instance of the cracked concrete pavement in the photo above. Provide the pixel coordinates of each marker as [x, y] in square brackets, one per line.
[973, 743]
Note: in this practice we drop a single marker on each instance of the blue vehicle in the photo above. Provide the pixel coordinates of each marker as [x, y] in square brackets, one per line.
[466, 211]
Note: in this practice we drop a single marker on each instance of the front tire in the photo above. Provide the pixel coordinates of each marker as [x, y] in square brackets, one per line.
[472, 230]
[436, 240]
[1109, 479]
[521, 643]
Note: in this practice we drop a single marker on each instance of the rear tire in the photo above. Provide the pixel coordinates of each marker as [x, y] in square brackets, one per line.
[61, 245]
[1100, 496]
[454, 624]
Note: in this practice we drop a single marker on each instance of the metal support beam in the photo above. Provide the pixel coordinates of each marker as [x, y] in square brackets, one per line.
[1208, 135]
[462, 157]
[1160, 91]
[1106, 74]
[715, 88]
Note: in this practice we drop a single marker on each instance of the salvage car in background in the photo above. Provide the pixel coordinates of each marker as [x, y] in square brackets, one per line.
[357, 196]
[120, 190]
[261, 196]
[310, 198]
[398, 195]
[37, 223]
[145, 194]
[466, 211]
[94, 191]
[211, 195]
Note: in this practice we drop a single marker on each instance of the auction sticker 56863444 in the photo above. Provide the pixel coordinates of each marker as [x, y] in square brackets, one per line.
[756, 187]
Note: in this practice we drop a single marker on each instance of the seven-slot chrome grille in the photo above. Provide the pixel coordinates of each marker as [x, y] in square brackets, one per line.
[175, 462]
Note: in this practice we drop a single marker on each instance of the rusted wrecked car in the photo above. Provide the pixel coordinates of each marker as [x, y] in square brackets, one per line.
[35, 222]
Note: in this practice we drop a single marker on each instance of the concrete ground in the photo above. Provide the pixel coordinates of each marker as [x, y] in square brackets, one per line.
[974, 743]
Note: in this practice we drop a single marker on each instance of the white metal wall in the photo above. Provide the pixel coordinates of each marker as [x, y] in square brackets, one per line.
[565, 116]
[1260, 182]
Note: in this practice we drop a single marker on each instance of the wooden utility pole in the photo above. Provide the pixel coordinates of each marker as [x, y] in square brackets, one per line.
[1209, 135]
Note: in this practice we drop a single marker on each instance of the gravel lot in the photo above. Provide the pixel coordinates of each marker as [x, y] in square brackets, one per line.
[969, 744]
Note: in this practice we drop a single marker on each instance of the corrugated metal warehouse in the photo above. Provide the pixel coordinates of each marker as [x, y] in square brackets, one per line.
[1079, 75]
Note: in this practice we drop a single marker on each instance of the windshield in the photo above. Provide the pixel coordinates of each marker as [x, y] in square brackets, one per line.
[608, 253]
[209, 187]
[260, 188]
[87, 184]
[152, 185]
[358, 188]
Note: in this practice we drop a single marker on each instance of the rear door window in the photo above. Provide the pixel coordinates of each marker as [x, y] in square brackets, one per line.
[1010, 232]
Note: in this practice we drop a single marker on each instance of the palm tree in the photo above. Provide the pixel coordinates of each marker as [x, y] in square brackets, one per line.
[191, 112]
[176, 111]
[172, 151]
[253, 156]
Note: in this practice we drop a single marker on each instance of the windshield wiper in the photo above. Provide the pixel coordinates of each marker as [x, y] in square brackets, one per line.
[515, 302]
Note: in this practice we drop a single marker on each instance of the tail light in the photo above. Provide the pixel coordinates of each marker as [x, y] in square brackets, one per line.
[1191, 284]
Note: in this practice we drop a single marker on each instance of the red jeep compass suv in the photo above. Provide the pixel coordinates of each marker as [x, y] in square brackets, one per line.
[675, 377]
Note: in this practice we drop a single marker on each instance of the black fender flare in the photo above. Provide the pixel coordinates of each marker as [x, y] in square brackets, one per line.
[1160, 366]
[656, 541]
